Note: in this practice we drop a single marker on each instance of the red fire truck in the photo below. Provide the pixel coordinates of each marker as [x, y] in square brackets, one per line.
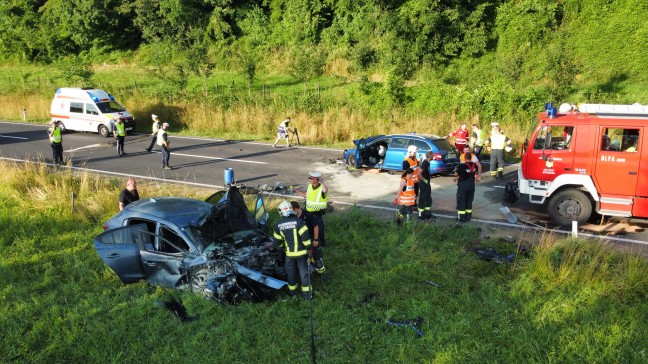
[588, 160]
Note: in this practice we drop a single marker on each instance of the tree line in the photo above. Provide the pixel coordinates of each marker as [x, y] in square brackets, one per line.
[520, 52]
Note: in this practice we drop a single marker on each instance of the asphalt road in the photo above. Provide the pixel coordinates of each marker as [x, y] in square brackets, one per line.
[202, 161]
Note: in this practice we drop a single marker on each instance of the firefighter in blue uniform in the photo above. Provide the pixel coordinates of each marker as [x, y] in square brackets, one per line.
[291, 234]
[465, 178]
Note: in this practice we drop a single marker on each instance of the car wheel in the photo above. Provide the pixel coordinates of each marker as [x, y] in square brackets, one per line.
[103, 130]
[351, 160]
[568, 205]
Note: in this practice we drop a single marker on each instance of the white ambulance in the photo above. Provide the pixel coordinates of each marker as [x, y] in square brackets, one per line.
[87, 109]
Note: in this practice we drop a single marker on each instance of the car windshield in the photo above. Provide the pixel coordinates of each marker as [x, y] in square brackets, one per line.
[110, 107]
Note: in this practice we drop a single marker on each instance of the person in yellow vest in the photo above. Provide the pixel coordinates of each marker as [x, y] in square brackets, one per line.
[410, 161]
[119, 132]
[56, 142]
[477, 140]
[498, 143]
[156, 127]
[405, 197]
[316, 204]
[163, 142]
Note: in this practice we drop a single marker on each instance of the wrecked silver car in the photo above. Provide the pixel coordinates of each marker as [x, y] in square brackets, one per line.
[214, 247]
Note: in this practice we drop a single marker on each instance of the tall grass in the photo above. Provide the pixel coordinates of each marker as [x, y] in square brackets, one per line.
[569, 301]
[327, 111]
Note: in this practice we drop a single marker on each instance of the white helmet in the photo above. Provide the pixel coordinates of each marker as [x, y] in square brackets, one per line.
[411, 150]
[285, 208]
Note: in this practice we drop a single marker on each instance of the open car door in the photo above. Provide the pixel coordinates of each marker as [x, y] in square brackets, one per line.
[361, 153]
[120, 250]
[260, 214]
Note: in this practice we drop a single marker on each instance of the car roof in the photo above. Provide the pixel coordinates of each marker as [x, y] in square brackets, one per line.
[416, 136]
[178, 210]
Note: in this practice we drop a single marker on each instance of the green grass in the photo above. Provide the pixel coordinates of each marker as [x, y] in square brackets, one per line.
[570, 301]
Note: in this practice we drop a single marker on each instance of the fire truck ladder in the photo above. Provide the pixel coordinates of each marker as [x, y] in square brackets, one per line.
[634, 110]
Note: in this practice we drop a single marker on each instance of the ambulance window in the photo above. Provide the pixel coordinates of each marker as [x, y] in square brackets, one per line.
[76, 107]
[91, 109]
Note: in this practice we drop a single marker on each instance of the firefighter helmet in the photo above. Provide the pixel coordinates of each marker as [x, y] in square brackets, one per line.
[411, 150]
[285, 208]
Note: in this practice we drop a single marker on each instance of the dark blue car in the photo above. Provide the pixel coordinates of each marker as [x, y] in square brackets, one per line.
[388, 152]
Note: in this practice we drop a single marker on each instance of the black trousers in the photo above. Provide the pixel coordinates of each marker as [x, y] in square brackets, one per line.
[425, 195]
[477, 150]
[166, 154]
[297, 271]
[57, 152]
[318, 253]
[153, 142]
[465, 196]
[120, 144]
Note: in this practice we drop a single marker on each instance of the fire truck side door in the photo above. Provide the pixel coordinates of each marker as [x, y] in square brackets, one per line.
[616, 169]
[552, 153]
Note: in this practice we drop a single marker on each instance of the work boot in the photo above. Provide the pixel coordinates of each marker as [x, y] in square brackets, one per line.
[500, 175]
[468, 216]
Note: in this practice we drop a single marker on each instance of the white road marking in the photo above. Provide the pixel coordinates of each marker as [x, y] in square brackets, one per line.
[6, 136]
[81, 148]
[216, 158]
[489, 222]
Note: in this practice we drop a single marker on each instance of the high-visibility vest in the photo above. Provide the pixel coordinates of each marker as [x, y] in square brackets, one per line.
[56, 135]
[408, 197]
[160, 137]
[120, 129]
[315, 201]
[479, 140]
[498, 141]
[414, 164]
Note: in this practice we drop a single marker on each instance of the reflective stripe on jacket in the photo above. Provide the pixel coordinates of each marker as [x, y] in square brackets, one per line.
[414, 164]
[315, 199]
[461, 136]
[408, 197]
[292, 233]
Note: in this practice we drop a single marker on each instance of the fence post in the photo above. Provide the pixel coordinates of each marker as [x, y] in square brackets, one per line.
[24, 114]
[216, 89]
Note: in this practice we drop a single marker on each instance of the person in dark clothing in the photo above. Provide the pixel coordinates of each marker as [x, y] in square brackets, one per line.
[119, 132]
[291, 234]
[425, 190]
[163, 142]
[128, 194]
[56, 142]
[465, 178]
[314, 230]
[157, 124]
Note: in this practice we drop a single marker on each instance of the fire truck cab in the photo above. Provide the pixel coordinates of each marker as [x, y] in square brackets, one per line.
[589, 159]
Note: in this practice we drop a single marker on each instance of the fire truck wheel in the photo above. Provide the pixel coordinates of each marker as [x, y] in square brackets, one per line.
[568, 205]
